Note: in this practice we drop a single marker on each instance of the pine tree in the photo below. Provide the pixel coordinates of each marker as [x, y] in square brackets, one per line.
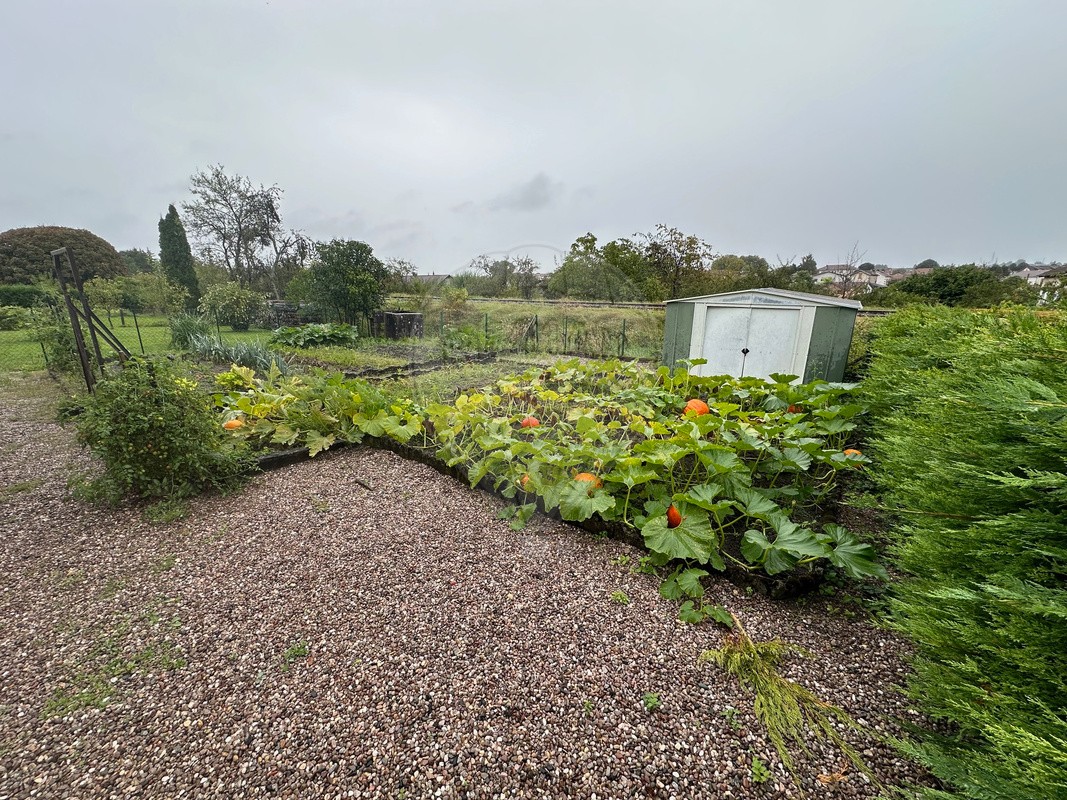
[176, 256]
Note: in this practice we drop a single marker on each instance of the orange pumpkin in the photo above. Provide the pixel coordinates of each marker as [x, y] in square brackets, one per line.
[698, 407]
[530, 422]
[853, 452]
[233, 424]
[525, 479]
[591, 478]
[674, 517]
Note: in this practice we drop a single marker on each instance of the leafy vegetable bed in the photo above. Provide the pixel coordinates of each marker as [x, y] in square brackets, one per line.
[744, 477]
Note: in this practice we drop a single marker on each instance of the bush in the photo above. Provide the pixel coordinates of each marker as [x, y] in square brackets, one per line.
[13, 318]
[24, 295]
[57, 338]
[157, 434]
[25, 253]
[184, 326]
[336, 334]
[970, 417]
[233, 305]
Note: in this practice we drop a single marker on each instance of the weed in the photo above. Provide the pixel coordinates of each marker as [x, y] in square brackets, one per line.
[165, 564]
[23, 486]
[587, 706]
[71, 579]
[95, 688]
[219, 534]
[620, 560]
[319, 506]
[111, 588]
[730, 715]
[759, 772]
[292, 653]
[651, 701]
[645, 566]
[620, 597]
[790, 712]
[164, 511]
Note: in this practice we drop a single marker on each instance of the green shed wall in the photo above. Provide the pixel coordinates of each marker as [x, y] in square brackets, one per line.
[831, 337]
[677, 332]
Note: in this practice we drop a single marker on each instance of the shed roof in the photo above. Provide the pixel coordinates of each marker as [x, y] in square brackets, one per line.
[772, 295]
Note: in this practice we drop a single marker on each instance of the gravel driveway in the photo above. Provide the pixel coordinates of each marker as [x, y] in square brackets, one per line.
[310, 637]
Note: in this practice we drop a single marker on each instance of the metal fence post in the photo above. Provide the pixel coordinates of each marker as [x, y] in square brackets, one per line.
[622, 345]
[137, 327]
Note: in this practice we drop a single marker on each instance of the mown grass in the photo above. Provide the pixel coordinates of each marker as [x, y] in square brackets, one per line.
[21, 352]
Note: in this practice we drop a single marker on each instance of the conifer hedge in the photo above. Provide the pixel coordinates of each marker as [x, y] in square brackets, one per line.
[970, 442]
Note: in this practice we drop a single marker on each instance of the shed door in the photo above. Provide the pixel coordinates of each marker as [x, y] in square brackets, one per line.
[768, 334]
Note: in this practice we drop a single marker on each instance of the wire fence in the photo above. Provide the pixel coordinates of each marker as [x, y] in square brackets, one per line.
[40, 338]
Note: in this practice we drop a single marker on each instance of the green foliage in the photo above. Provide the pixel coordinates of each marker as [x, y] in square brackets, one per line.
[233, 305]
[620, 597]
[55, 335]
[651, 701]
[968, 286]
[137, 260]
[970, 433]
[176, 257]
[25, 253]
[759, 772]
[316, 410]
[24, 295]
[348, 279]
[789, 712]
[315, 335]
[13, 318]
[183, 327]
[150, 292]
[156, 434]
[246, 354]
[749, 478]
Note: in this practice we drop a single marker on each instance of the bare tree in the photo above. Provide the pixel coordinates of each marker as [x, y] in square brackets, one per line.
[237, 225]
[849, 270]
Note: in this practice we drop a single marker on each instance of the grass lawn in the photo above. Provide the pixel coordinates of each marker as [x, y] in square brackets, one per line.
[19, 351]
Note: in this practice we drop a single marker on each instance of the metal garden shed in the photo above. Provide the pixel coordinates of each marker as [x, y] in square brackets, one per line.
[757, 332]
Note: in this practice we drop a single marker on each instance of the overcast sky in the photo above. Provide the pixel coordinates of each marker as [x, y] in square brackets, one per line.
[438, 131]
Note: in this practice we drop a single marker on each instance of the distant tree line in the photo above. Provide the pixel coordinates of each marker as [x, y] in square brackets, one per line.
[228, 252]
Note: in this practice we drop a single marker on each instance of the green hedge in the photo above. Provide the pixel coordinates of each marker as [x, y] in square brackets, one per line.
[970, 439]
[23, 295]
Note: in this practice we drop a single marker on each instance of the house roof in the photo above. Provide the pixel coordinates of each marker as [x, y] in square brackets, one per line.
[779, 294]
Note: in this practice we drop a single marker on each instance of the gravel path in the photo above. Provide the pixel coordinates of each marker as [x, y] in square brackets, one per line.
[308, 637]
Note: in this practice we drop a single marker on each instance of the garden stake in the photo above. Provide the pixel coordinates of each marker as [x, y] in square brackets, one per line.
[137, 327]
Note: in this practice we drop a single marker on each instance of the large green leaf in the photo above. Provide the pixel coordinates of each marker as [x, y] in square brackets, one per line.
[754, 503]
[856, 558]
[693, 539]
[683, 582]
[757, 549]
[631, 475]
[797, 540]
[578, 501]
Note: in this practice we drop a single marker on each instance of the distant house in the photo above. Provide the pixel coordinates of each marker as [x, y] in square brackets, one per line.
[1051, 282]
[849, 280]
[1035, 276]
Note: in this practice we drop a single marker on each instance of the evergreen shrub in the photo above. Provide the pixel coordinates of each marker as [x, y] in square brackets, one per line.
[970, 443]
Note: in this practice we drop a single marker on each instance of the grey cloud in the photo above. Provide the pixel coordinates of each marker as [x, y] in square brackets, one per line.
[536, 194]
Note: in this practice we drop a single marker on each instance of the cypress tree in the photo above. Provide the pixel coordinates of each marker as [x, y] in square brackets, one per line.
[176, 257]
